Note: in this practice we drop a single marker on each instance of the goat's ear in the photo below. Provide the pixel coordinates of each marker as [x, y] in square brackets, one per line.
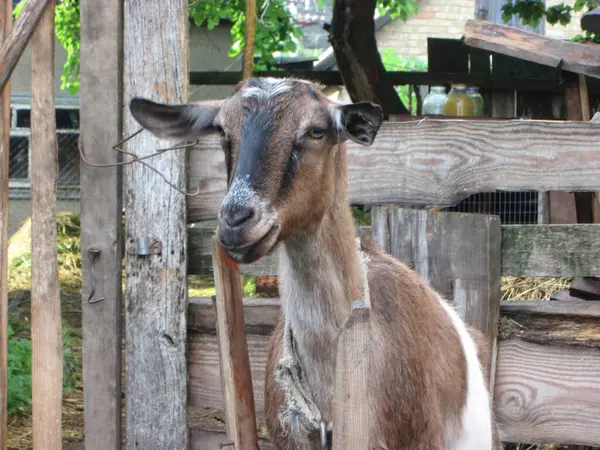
[175, 121]
[360, 121]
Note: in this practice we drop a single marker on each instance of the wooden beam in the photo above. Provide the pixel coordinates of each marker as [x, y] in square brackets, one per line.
[547, 393]
[46, 326]
[15, 43]
[551, 250]
[530, 46]
[155, 66]
[351, 414]
[101, 220]
[431, 163]
[552, 308]
[527, 250]
[5, 27]
[235, 365]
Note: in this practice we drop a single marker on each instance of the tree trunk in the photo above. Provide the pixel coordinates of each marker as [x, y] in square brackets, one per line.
[358, 60]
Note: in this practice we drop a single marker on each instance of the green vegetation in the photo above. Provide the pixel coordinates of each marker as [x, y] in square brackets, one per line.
[276, 30]
[531, 12]
[19, 365]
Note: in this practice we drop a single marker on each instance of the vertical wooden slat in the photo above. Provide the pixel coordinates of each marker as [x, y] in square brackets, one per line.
[156, 67]
[15, 43]
[101, 220]
[458, 254]
[240, 415]
[46, 335]
[249, 38]
[5, 27]
[351, 402]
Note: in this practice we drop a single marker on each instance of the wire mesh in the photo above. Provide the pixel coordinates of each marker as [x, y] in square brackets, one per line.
[513, 208]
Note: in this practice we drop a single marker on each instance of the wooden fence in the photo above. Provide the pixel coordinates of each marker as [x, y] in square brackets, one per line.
[547, 363]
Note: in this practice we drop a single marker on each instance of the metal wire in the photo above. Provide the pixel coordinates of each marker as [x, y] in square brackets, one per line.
[117, 147]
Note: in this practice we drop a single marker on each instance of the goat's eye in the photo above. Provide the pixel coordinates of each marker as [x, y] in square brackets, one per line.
[316, 132]
[219, 129]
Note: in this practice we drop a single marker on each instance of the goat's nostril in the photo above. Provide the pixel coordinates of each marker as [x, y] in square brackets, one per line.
[234, 217]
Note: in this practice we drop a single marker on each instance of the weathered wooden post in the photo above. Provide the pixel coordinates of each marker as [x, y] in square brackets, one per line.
[46, 329]
[458, 254]
[156, 67]
[236, 378]
[5, 27]
[351, 413]
[101, 220]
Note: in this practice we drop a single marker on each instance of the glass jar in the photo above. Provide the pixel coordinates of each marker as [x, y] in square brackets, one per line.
[477, 99]
[433, 105]
[458, 103]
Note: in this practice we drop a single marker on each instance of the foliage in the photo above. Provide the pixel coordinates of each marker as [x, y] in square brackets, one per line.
[19, 365]
[392, 61]
[67, 26]
[276, 30]
[531, 12]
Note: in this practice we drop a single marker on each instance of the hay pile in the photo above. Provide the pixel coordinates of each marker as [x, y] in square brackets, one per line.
[532, 288]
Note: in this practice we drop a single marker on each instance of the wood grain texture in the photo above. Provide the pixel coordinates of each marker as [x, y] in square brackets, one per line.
[527, 250]
[206, 389]
[439, 162]
[457, 254]
[531, 46]
[235, 366]
[156, 67]
[547, 394]
[351, 414]
[5, 28]
[101, 219]
[552, 308]
[260, 315]
[212, 440]
[46, 327]
[551, 250]
[17, 40]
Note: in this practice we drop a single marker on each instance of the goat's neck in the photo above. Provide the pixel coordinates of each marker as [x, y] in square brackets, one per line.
[320, 277]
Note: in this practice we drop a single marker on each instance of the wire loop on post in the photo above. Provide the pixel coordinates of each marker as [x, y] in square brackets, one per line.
[118, 148]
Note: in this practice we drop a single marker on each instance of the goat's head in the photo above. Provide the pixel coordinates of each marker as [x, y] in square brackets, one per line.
[280, 141]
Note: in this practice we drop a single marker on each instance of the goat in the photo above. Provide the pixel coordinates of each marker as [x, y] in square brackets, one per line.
[286, 161]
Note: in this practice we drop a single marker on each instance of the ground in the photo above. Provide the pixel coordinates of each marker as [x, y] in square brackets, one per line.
[20, 434]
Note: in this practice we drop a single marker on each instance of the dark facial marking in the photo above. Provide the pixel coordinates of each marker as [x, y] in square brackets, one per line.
[257, 128]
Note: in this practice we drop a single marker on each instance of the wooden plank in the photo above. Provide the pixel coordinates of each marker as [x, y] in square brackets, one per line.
[351, 414]
[249, 38]
[562, 207]
[17, 40]
[235, 365]
[552, 308]
[260, 315]
[530, 46]
[551, 250]
[432, 163]
[5, 27]
[206, 390]
[527, 250]
[211, 440]
[466, 266]
[156, 284]
[101, 95]
[547, 394]
[46, 327]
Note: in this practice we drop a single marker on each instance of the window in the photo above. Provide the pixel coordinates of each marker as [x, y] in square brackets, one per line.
[494, 14]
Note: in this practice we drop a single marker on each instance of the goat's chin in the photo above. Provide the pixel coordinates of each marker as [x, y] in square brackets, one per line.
[252, 252]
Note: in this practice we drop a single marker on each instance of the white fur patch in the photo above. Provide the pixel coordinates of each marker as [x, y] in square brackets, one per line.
[476, 429]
